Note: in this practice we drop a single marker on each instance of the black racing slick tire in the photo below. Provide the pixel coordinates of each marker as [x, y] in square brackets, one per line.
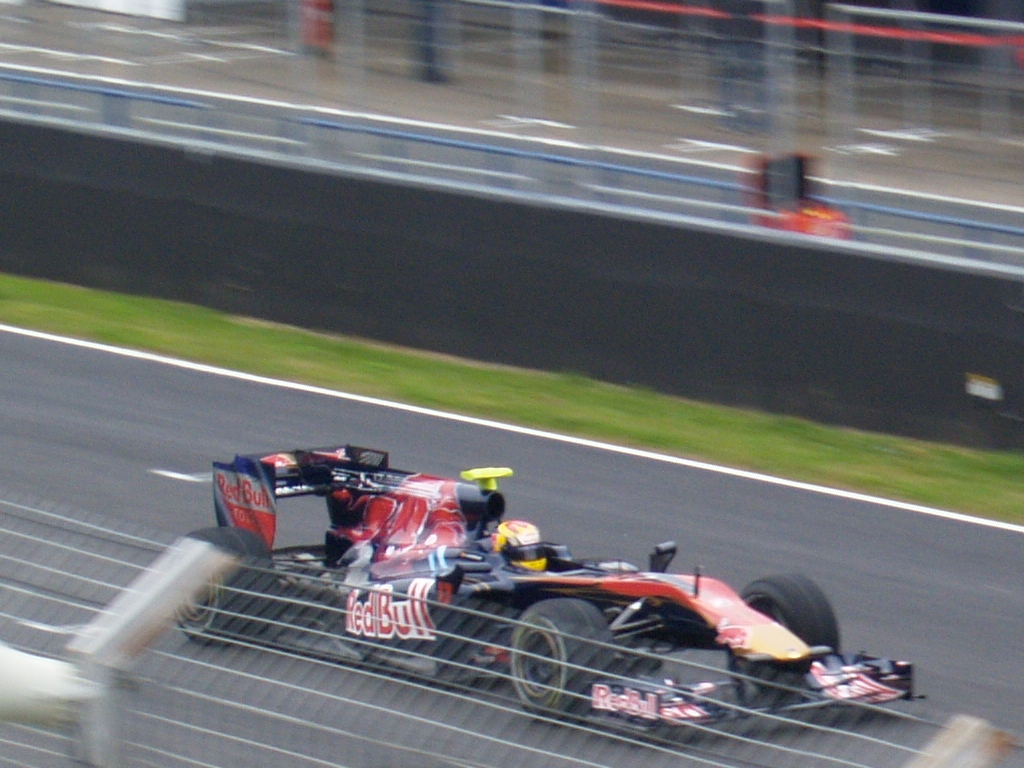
[798, 604]
[559, 647]
[224, 608]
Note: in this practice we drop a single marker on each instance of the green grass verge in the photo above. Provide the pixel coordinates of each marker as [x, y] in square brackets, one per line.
[987, 483]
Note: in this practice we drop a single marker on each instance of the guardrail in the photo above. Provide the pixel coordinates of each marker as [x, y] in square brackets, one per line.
[212, 704]
[494, 162]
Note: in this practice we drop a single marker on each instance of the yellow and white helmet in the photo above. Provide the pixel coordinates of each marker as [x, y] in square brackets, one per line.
[519, 541]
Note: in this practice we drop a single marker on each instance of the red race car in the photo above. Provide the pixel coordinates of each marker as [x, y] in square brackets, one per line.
[422, 574]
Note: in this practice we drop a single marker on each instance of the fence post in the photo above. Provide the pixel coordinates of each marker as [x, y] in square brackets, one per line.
[918, 79]
[105, 648]
[584, 33]
[997, 67]
[96, 733]
[352, 17]
[80, 691]
[781, 76]
[527, 28]
[431, 41]
[841, 85]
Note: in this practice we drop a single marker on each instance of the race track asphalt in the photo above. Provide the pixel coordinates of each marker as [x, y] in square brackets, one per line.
[86, 428]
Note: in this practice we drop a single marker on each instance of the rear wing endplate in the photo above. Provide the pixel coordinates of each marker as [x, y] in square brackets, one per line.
[243, 496]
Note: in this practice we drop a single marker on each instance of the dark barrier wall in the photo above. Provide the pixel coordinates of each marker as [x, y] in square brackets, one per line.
[808, 330]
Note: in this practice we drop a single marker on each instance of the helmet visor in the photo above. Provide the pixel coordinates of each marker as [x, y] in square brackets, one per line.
[526, 553]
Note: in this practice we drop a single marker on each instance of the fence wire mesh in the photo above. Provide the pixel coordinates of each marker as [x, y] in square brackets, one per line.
[280, 685]
[924, 94]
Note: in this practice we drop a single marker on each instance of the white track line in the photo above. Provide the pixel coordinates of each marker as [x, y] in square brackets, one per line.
[554, 436]
[170, 474]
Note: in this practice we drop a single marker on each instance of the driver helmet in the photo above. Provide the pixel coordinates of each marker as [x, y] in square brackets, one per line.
[519, 541]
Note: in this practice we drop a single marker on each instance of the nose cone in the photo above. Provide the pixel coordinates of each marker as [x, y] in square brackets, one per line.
[764, 641]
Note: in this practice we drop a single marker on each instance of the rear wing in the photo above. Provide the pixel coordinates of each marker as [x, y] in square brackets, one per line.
[246, 490]
[243, 496]
[307, 471]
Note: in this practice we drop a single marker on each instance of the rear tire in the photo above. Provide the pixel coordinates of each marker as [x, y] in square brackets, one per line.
[222, 608]
[554, 659]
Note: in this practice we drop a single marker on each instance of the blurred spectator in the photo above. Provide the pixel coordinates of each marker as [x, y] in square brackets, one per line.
[741, 64]
[430, 39]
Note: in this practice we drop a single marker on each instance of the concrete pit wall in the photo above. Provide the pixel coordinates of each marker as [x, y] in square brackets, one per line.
[809, 329]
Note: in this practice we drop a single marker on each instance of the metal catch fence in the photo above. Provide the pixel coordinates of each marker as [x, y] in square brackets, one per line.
[877, 93]
[264, 679]
[924, 94]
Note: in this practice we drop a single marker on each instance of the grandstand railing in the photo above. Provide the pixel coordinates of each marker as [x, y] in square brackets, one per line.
[532, 168]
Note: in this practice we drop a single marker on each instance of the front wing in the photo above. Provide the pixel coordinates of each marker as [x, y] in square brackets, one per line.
[830, 680]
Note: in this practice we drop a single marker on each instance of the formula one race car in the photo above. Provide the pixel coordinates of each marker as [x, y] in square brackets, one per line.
[421, 575]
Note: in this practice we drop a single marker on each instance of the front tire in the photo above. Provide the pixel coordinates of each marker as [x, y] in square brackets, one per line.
[798, 604]
[557, 653]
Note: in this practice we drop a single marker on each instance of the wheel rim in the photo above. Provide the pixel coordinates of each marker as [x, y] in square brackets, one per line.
[538, 666]
[197, 615]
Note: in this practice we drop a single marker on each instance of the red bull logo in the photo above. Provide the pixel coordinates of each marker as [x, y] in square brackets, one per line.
[243, 491]
[382, 617]
[732, 636]
[627, 701]
[248, 503]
